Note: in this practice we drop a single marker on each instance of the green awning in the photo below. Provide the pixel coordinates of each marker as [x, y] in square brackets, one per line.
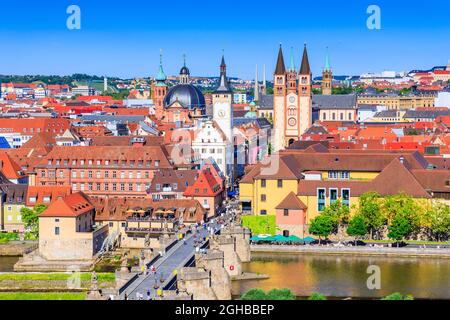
[309, 239]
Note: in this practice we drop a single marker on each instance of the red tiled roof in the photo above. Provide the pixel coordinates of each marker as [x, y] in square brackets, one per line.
[72, 205]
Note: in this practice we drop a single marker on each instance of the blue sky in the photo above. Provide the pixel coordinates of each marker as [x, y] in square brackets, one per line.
[123, 38]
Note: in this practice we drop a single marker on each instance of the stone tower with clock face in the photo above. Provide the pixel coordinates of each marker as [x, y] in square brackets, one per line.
[292, 101]
[223, 116]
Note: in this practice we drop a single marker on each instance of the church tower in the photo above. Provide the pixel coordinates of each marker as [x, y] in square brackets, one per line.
[159, 90]
[327, 77]
[223, 116]
[279, 102]
[292, 100]
[305, 93]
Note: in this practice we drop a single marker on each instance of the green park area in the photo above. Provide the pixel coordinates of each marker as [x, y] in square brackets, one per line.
[42, 296]
[260, 224]
[53, 281]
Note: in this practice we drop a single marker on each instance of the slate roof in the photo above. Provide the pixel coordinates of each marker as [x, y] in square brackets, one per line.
[336, 101]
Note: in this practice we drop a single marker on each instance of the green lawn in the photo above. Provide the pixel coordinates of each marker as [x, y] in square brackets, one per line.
[6, 237]
[85, 276]
[260, 224]
[42, 296]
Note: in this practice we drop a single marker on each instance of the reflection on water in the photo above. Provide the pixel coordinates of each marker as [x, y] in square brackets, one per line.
[7, 263]
[345, 276]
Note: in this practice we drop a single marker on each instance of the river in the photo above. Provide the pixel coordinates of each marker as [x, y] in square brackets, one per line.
[7, 263]
[346, 276]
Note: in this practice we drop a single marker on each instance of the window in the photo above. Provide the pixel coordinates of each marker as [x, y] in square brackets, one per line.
[130, 187]
[263, 198]
[61, 174]
[147, 175]
[46, 199]
[124, 224]
[263, 183]
[114, 174]
[82, 174]
[111, 224]
[345, 175]
[74, 187]
[82, 186]
[333, 195]
[106, 174]
[90, 186]
[156, 163]
[56, 231]
[345, 195]
[332, 174]
[122, 187]
[122, 174]
[321, 199]
[74, 174]
[98, 174]
[130, 174]
[97, 186]
[138, 187]
[280, 183]
[286, 212]
[158, 187]
[138, 175]
[263, 212]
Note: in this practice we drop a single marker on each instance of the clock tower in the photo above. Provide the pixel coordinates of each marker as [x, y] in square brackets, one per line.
[223, 116]
[222, 99]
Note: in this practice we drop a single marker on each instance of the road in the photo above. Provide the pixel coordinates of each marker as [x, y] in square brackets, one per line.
[170, 261]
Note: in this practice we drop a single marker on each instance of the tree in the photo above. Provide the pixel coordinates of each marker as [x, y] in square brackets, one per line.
[338, 212]
[254, 294]
[439, 220]
[31, 218]
[369, 208]
[321, 226]
[316, 296]
[280, 294]
[398, 296]
[357, 227]
[405, 206]
[399, 228]
[274, 294]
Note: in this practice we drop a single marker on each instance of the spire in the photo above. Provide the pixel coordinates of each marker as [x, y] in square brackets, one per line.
[161, 76]
[184, 60]
[264, 75]
[224, 86]
[256, 93]
[305, 68]
[280, 69]
[327, 61]
[292, 63]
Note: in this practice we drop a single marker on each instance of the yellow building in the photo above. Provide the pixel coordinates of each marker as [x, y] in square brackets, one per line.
[12, 200]
[398, 102]
[319, 177]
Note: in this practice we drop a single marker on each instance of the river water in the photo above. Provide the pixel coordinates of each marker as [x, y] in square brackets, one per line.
[346, 276]
[7, 263]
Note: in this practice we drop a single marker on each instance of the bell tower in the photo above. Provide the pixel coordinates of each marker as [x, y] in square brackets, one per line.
[327, 77]
[159, 90]
[279, 102]
[305, 93]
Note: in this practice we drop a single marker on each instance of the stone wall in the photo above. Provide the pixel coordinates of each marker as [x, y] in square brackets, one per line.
[220, 280]
[196, 282]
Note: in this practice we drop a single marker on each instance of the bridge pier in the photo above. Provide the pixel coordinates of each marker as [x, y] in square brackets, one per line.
[227, 244]
[220, 280]
[196, 282]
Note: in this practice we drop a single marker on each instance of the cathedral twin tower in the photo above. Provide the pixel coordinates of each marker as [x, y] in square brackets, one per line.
[292, 100]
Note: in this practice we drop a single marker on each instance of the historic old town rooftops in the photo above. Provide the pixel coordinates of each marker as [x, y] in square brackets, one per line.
[109, 156]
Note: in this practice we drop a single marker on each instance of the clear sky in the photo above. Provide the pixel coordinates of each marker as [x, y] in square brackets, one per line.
[123, 38]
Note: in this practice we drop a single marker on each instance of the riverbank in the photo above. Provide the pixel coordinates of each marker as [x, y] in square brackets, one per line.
[17, 248]
[360, 251]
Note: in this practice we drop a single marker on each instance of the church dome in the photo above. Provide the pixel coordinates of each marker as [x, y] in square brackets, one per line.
[188, 96]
